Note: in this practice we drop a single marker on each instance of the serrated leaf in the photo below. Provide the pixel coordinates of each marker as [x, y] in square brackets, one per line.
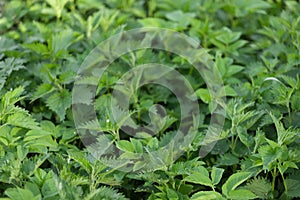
[8, 66]
[293, 186]
[6, 44]
[41, 143]
[80, 158]
[38, 48]
[67, 77]
[269, 155]
[22, 120]
[260, 187]
[241, 194]
[61, 41]
[49, 188]
[105, 193]
[35, 134]
[42, 90]
[59, 102]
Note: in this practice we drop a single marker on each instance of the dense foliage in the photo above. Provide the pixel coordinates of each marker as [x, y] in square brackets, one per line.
[254, 44]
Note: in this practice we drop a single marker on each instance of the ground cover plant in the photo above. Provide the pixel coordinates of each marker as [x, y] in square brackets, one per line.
[255, 47]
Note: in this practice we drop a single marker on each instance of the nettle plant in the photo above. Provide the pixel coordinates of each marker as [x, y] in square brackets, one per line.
[255, 46]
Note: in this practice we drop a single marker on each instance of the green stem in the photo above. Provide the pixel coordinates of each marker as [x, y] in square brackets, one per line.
[274, 174]
[284, 183]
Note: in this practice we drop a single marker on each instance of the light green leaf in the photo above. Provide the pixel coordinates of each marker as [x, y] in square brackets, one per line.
[241, 194]
[38, 48]
[125, 145]
[21, 194]
[230, 91]
[233, 69]
[199, 178]
[207, 195]
[204, 95]
[22, 120]
[234, 181]
[216, 175]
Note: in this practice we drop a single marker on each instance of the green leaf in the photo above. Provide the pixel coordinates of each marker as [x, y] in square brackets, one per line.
[34, 188]
[293, 187]
[6, 44]
[172, 194]
[67, 77]
[244, 7]
[40, 143]
[182, 18]
[125, 145]
[207, 195]
[156, 22]
[228, 159]
[21, 194]
[62, 40]
[287, 164]
[230, 91]
[241, 194]
[227, 36]
[245, 137]
[233, 69]
[138, 146]
[38, 48]
[80, 158]
[216, 175]
[35, 134]
[105, 193]
[199, 178]
[295, 101]
[204, 95]
[269, 155]
[22, 120]
[234, 181]
[42, 90]
[178, 15]
[139, 165]
[283, 136]
[50, 189]
[58, 6]
[59, 102]
[260, 187]
[11, 64]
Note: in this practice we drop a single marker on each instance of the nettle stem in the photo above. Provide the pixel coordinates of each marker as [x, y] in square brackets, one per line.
[274, 174]
[284, 183]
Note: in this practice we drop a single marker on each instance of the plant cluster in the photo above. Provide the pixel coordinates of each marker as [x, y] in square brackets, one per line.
[255, 46]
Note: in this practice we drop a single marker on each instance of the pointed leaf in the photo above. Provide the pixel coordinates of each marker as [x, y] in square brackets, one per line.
[234, 181]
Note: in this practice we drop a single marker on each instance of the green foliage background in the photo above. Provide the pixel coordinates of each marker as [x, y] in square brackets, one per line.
[255, 46]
